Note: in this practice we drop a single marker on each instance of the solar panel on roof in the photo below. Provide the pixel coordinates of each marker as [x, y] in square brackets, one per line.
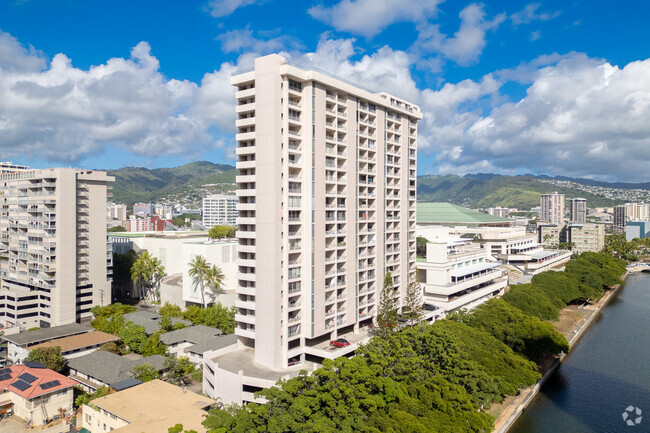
[27, 377]
[21, 385]
[5, 370]
[5, 376]
[50, 384]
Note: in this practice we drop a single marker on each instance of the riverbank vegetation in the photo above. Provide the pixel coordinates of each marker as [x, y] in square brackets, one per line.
[431, 377]
[585, 279]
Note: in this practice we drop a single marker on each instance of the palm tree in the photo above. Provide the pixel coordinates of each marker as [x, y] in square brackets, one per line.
[158, 272]
[198, 270]
[138, 276]
[215, 277]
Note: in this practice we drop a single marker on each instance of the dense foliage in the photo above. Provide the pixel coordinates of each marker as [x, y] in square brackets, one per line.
[145, 372]
[524, 334]
[426, 378]
[85, 398]
[216, 316]
[51, 357]
[221, 232]
[585, 279]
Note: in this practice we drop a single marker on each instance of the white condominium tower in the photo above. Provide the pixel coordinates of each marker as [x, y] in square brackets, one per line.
[219, 209]
[551, 208]
[327, 189]
[55, 262]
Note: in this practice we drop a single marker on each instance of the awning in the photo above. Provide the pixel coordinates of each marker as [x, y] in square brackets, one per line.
[540, 255]
[472, 269]
[524, 247]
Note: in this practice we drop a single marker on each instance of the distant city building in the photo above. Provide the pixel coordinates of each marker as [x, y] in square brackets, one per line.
[457, 273]
[621, 215]
[220, 209]
[580, 237]
[164, 211]
[57, 263]
[116, 212]
[551, 208]
[150, 224]
[578, 210]
[143, 209]
[637, 229]
[501, 212]
[7, 167]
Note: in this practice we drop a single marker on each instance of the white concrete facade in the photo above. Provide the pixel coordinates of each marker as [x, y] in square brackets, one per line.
[53, 239]
[327, 190]
[551, 208]
[457, 273]
[220, 209]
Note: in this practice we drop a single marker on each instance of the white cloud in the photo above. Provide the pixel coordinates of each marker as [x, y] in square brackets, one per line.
[529, 14]
[243, 40]
[62, 113]
[466, 45]
[535, 35]
[222, 8]
[580, 117]
[370, 17]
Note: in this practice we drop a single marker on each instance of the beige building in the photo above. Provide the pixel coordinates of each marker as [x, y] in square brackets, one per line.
[578, 210]
[35, 394]
[152, 407]
[57, 263]
[551, 208]
[327, 189]
[586, 237]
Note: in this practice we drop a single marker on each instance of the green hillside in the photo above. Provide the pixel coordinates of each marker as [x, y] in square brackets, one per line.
[507, 191]
[136, 184]
[139, 184]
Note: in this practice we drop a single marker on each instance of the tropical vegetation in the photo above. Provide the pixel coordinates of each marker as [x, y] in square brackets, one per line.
[146, 273]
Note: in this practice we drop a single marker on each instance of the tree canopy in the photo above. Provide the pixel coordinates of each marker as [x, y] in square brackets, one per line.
[51, 357]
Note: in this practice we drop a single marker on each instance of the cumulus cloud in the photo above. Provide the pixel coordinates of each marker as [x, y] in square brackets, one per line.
[222, 8]
[466, 45]
[370, 17]
[62, 113]
[529, 14]
[580, 117]
[236, 41]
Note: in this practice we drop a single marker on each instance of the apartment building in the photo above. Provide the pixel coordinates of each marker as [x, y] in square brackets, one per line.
[585, 237]
[457, 273]
[116, 212]
[327, 190]
[578, 210]
[552, 208]
[220, 209]
[143, 209]
[9, 167]
[56, 261]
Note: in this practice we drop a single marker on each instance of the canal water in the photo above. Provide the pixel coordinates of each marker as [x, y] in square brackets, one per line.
[607, 372]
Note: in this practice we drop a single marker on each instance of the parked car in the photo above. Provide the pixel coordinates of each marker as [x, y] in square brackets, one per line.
[429, 307]
[341, 342]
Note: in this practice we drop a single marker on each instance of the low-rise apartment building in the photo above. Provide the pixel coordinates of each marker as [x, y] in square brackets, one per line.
[457, 273]
[19, 344]
[152, 407]
[35, 394]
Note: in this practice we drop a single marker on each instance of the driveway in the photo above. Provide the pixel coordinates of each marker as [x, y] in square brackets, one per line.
[13, 424]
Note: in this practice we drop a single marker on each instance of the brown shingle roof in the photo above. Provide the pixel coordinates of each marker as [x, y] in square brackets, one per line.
[81, 341]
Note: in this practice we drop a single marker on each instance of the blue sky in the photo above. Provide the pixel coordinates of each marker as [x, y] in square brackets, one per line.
[557, 87]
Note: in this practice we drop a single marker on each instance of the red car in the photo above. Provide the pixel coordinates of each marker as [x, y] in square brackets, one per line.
[341, 342]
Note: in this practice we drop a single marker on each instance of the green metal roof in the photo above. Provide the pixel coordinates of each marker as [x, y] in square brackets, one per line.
[447, 213]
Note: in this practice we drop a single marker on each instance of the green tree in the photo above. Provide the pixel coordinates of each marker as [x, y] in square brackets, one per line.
[133, 336]
[412, 309]
[215, 278]
[220, 232]
[146, 273]
[51, 357]
[145, 372]
[86, 398]
[153, 346]
[179, 370]
[111, 347]
[116, 229]
[387, 313]
[421, 246]
[170, 310]
[198, 270]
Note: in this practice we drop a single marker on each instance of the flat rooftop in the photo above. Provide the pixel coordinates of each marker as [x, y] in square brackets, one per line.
[244, 359]
[447, 213]
[154, 406]
[45, 334]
